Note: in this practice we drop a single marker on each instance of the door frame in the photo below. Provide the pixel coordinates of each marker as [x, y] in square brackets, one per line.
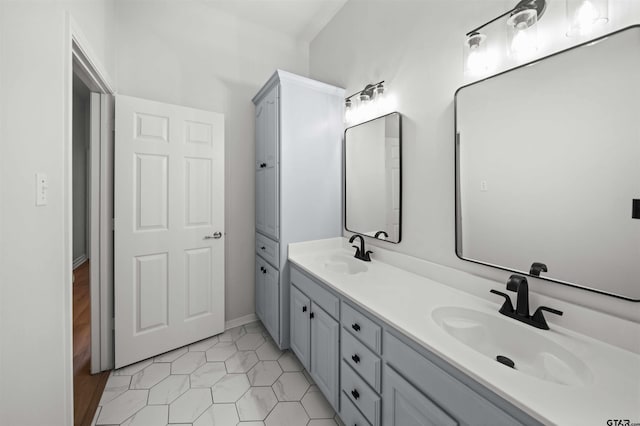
[79, 58]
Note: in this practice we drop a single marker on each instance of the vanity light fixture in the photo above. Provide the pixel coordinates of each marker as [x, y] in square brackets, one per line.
[356, 104]
[584, 15]
[523, 35]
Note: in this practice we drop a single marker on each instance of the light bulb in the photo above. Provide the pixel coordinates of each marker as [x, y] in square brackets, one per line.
[475, 63]
[585, 17]
[524, 43]
[476, 51]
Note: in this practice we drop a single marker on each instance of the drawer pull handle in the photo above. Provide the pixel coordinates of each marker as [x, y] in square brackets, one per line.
[311, 315]
[355, 326]
[355, 394]
[355, 358]
[304, 309]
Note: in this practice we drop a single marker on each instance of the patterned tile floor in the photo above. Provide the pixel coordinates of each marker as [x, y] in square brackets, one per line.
[239, 377]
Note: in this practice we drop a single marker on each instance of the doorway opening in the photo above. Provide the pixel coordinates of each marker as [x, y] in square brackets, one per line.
[90, 231]
[87, 388]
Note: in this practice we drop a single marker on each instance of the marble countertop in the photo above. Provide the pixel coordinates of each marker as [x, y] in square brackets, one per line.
[405, 300]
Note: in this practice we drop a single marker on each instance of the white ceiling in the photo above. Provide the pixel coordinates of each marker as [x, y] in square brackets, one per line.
[300, 19]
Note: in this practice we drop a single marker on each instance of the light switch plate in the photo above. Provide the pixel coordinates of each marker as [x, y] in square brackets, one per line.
[42, 187]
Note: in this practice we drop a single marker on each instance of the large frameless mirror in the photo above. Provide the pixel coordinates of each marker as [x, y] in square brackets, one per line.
[548, 167]
[373, 178]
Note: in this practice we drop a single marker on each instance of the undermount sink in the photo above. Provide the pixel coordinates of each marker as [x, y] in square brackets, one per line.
[343, 264]
[530, 352]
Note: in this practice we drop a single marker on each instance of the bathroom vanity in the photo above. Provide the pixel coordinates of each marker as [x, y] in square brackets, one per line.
[390, 347]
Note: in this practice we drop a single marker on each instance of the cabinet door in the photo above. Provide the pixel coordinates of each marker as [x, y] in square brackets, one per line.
[267, 194]
[260, 288]
[300, 326]
[325, 358]
[271, 301]
[404, 405]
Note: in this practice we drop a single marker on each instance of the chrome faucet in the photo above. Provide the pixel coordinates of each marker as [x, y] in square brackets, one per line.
[520, 285]
[361, 253]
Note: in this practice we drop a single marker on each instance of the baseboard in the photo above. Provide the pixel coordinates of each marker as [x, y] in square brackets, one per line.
[80, 260]
[237, 322]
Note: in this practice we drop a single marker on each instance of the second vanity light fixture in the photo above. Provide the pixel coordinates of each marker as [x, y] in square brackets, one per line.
[356, 104]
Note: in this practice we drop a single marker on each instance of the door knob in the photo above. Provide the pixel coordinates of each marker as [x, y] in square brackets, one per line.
[215, 236]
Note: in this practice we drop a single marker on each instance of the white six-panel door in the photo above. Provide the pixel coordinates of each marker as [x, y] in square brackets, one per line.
[169, 227]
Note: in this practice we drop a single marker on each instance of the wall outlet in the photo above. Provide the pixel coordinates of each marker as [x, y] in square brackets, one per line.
[483, 186]
[42, 188]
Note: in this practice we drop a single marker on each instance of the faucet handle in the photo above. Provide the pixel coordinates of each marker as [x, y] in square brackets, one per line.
[366, 256]
[507, 306]
[538, 317]
[357, 250]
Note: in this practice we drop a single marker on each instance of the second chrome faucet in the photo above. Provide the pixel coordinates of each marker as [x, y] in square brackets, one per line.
[361, 252]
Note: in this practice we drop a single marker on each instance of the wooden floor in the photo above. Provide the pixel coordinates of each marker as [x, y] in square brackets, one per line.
[87, 389]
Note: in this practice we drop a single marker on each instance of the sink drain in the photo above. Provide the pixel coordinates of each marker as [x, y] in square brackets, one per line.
[506, 361]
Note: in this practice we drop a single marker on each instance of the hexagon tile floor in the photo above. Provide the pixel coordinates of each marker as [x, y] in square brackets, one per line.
[239, 377]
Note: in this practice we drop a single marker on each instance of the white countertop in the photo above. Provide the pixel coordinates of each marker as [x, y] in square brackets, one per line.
[405, 300]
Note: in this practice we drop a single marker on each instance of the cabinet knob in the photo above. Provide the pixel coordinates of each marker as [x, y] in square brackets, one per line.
[311, 315]
[263, 248]
[355, 326]
[304, 309]
[355, 394]
[264, 270]
[263, 165]
[355, 358]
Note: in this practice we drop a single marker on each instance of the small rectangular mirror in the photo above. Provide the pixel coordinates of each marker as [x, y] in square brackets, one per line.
[373, 178]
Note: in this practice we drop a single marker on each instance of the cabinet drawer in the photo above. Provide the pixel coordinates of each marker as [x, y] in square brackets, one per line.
[315, 292]
[362, 327]
[440, 387]
[268, 249]
[362, 396]
[349, 413]
[361, 359]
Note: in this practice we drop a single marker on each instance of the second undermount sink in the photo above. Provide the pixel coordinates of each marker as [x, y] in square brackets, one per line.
[343, 264]
[530, 352]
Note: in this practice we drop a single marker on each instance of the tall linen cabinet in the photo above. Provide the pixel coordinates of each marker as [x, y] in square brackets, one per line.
[298, 183]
